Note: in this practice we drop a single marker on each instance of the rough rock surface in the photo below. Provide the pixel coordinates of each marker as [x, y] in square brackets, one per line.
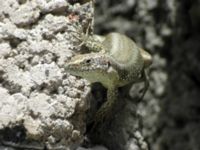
[170, 31]
[39, 101]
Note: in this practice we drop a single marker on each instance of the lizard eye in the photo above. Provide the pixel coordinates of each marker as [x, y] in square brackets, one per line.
[109, 64]
[88, 61]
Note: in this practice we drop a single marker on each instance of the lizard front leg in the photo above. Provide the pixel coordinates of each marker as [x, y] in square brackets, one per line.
[105, 111]
[146, 84]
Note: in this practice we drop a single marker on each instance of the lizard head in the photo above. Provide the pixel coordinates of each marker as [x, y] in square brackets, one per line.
[94, 67]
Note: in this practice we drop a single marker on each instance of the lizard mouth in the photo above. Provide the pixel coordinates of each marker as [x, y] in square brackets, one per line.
[74, 69]
[71, 68]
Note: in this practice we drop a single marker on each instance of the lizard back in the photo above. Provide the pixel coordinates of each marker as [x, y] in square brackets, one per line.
[124, 54]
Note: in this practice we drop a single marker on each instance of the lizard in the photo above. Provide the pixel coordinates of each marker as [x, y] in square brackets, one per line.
[114, 60]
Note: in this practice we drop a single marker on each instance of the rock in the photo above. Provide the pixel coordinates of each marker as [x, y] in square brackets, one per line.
[36, 95]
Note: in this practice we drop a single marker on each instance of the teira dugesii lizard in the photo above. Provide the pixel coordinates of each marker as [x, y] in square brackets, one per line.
[115, 61]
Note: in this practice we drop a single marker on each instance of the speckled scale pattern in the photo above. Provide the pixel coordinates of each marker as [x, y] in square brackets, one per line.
[124, 55]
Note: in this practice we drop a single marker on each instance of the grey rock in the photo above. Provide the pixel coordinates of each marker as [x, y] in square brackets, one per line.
[36, 94]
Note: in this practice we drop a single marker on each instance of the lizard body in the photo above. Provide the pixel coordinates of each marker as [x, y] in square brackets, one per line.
[115, 60]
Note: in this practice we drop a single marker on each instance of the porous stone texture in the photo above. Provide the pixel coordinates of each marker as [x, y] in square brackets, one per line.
[170, 31]
[37, 96]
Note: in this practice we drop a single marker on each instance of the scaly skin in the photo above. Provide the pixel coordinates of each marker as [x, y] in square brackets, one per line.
[115, 60]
